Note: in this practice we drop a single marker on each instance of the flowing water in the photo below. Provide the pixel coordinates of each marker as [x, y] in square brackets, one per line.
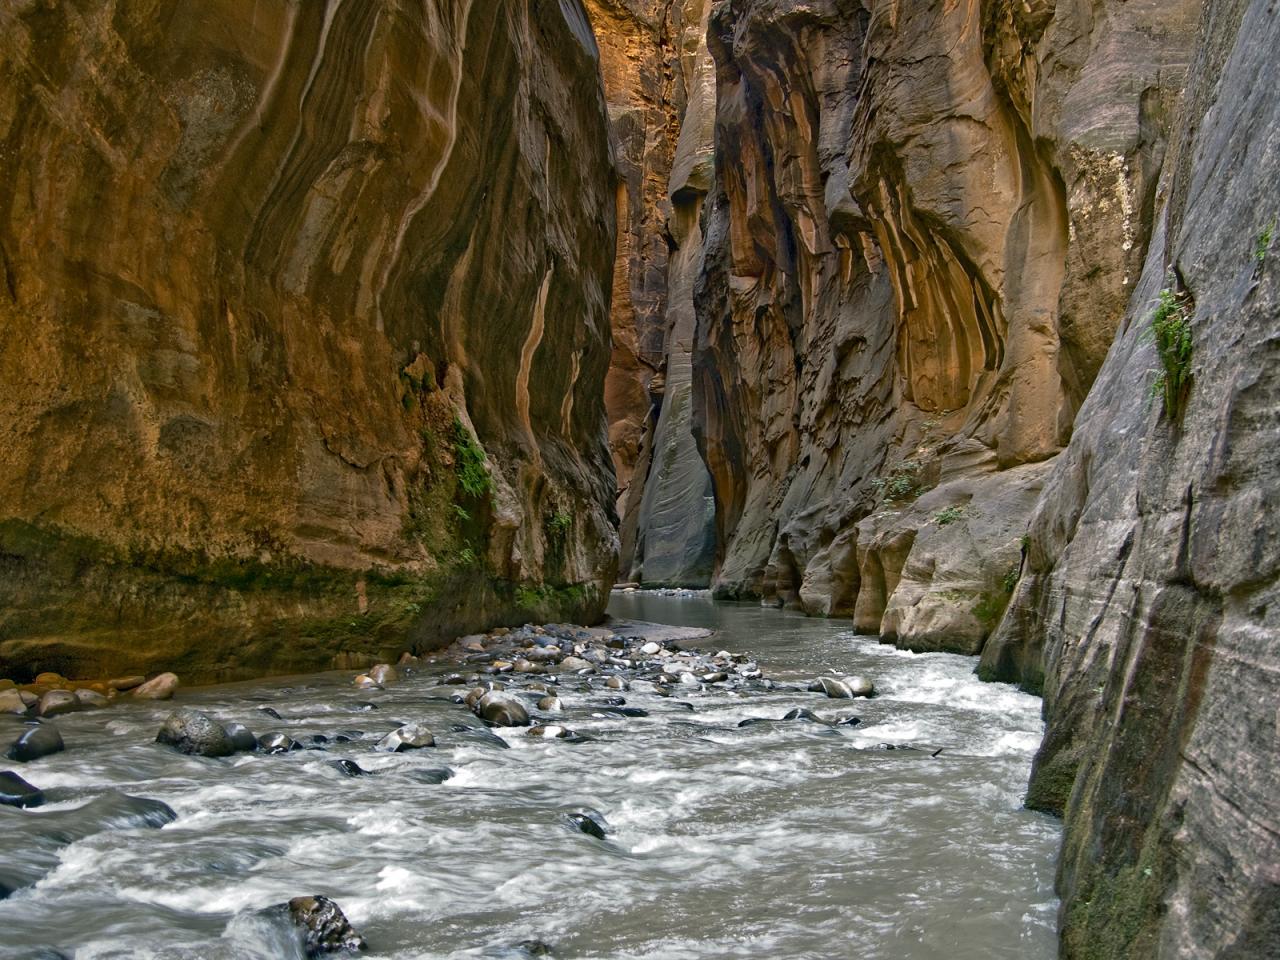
[770, 841]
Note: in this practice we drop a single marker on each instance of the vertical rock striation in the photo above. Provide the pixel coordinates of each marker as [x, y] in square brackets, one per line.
[306, 315]
[925, 222]
[659, 81]
[1149, 610]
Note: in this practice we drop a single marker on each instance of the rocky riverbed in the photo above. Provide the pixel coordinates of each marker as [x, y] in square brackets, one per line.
[629, 791]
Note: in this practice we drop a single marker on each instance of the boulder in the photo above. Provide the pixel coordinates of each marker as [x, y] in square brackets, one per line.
[412, 736]
[16, 792]
[158, 688]
[241, 738]
[57, 702]
[192, 732]
[11, 702]
[551, 704]
[91, 699]
[324, 927]
[501, 710]
[39, 741]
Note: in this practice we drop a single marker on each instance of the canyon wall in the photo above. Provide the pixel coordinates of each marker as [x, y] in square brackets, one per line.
[925, 222]
[659, 81]
[305, 313]
[1150, 606]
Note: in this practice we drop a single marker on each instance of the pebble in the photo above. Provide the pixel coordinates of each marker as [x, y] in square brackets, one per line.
[159, 688]
[39, 741]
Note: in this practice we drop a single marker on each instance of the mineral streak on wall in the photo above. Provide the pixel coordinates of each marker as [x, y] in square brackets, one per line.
[305, 312]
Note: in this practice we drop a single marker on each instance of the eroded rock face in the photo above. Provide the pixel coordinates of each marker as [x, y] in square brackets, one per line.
[309, 315]
[911, 277]
[1149, 610]
[659, 80]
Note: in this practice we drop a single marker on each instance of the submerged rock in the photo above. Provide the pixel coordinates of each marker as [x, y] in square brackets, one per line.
[551, 704]
[192, 732]
[588, 822]
[432, 775]
[16, 792]
[278, 743]
[349, 768]
[162, 687]
[551, 731]
[39, 741]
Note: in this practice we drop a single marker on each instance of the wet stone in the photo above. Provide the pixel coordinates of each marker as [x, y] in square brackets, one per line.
[162, 687]
[277, 743]
[91, 699]
[16, 792]
[39, 741]
[431, 775]
[57, 702]
[349, 768]
[588, 822]
[192, 732]
[324, 927]
[411, 736]
[501, 710]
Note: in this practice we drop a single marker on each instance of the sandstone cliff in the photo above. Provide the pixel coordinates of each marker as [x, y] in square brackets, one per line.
[925, 222]
[1149, 610]
[306, 325]
[659, 81]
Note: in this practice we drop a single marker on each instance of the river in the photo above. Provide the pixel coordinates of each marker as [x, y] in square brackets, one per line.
[776, 841]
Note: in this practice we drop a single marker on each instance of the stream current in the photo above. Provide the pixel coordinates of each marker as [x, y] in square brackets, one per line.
[783, 841]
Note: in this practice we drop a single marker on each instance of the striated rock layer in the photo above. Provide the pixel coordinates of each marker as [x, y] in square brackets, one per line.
[1150, 608]
[925, 222]
[660, 84]
[306, 329]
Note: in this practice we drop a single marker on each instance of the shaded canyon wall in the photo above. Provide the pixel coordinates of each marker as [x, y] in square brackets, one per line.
[305, 313]
[659, 81]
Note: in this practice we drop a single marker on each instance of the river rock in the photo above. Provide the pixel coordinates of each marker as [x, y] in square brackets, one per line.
[652, 648]
[534, 949]
[57, 702]
[575, 664]
[551, 731]
[588, 822]
[278, 743]
[241, 738]
[11, 702]
[365, 682]
[91, 699]
[271, 712]
[122, 684]
[803, 713]
[846, 689]
[50, 679]
[432, 775]
[39, 741]
[501, 710]
[551, 704]
[16, 792]
[412, 736]
[159, 688]
[192, 732]
[384, 674]
[349, 768]
[860, 686]
[324, 927]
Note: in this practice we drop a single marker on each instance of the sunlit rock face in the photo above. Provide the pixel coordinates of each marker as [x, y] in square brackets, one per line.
[307, 317]
[1149, 609]
[660, 84]
[925, 223]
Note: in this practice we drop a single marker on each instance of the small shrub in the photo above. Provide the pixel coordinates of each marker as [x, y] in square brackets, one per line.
[559, 523]
[948, 515]
[473, 476]
[1264, 242]
[467, 557]
[1010, 580]
[901, 484]
[461, 512]
[1171, 330]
